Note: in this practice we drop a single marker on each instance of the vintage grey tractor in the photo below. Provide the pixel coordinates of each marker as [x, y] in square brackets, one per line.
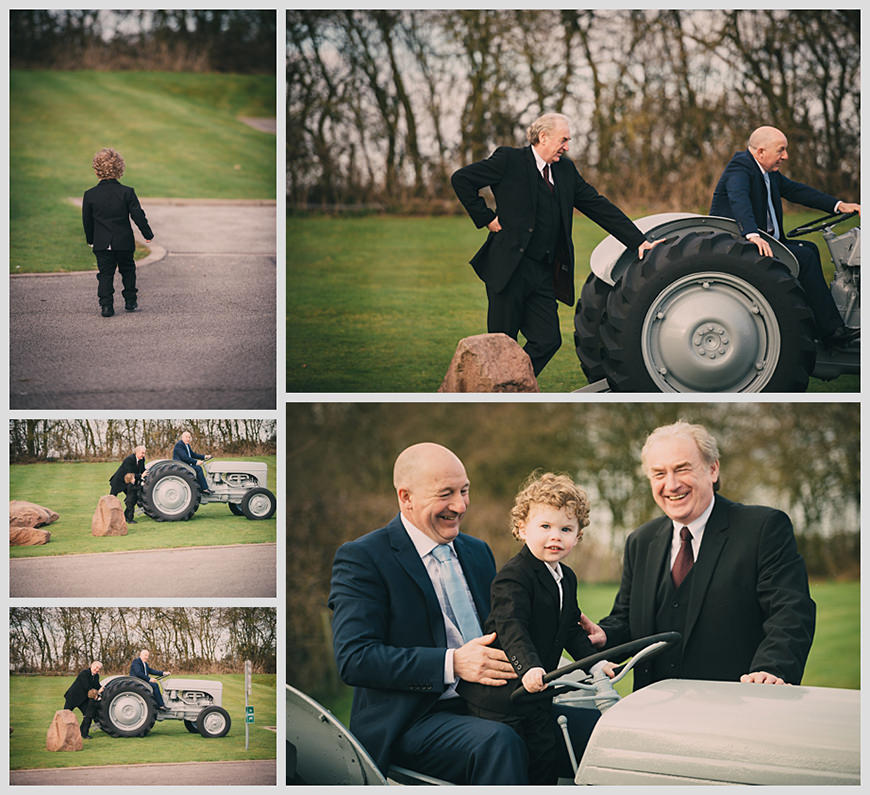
[676, 731]
[170, 491]
[705, 312]
[127, 707]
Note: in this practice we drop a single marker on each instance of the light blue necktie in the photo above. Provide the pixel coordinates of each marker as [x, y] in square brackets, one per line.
[773, 225]
[457, 594]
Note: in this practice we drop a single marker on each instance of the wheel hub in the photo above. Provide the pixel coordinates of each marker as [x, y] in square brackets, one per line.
[128, 711]
[710, 332]
[214, 723]
[171, 494]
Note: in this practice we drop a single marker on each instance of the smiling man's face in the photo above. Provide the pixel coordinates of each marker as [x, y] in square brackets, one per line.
[435, 498]
[682, 483]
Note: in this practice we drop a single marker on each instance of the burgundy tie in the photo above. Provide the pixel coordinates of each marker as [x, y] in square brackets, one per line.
[547, 176]
[685, 558]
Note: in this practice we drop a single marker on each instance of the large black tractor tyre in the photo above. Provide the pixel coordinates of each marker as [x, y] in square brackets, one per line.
[588, 317]
[706, 313]
[170, 492]
[258, 503]
[235, 509]
[127, 708]
[213, 721]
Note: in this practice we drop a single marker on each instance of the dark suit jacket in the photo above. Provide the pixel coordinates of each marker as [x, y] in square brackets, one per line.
[531, 628]
[179, 453]
[388, 629]
[129, 466]
[141, 670]
[749, 604]
[741, 194]
[106, 210]
[512, 175]
[77, 692]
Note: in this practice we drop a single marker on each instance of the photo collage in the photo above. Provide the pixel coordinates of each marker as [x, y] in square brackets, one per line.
[477, 400]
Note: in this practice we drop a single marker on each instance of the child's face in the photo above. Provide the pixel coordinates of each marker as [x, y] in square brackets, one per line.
[550, 533]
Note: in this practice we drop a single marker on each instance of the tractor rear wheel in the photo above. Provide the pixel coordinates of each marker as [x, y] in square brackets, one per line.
[170, 492]
[588, 318]
[127, 708]
[707, 313]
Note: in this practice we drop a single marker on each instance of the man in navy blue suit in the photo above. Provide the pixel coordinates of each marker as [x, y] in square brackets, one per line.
[184, 452]
[397, 635]
[751, 190]
[141, 670]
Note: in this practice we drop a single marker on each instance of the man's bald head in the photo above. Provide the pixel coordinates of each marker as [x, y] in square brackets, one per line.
[769, 147]
[432, 488]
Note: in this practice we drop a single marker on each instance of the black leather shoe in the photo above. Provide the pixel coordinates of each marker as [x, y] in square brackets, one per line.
[131, 307]
[107, 311]
[131, 521]
[207, 491]
[842, 336]
[86, 737]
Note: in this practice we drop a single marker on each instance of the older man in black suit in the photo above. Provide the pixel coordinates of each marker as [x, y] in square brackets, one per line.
[527, 261]
[106, 212]
[83, 695]
[727, 576]
[751, 190]
[127, 478]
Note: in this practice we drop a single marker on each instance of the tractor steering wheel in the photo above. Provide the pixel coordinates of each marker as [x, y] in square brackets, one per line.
[819, 223]
[655, 644]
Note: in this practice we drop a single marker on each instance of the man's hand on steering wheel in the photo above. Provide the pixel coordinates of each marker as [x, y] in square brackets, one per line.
[848, 207]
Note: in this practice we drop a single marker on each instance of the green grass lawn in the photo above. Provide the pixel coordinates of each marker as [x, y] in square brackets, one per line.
[34, 700]
[378, 303]
[72, 490]
[834, 660]
[179, 134]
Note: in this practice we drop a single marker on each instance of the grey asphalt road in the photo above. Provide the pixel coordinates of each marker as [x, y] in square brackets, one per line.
[255, 772]
[204, 337]
[241, 570]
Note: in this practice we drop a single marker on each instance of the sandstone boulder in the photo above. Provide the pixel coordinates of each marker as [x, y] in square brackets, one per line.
[109, 518]
[489, 363]
[28, 536]
[29, 514]
[64, 733]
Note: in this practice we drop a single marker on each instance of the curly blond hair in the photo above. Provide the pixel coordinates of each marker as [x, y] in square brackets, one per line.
[108, 164]
[549, 488]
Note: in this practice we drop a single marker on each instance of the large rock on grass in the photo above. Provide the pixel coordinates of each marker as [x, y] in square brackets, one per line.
[28, 536]
[29, 514]
[64, 733]
[489, 363]
[109, 518]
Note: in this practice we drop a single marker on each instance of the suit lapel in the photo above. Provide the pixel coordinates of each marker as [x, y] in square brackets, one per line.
[656, 552]
[715, 537]
[534, 175]
[409, 560]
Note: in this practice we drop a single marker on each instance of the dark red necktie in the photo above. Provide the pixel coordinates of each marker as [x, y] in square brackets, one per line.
[547, 176]
[685, 558]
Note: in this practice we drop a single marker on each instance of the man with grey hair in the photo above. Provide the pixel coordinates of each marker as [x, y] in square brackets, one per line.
[727, 576]
[127, 478]
[83, 695]
[751, 190]
[527, 260]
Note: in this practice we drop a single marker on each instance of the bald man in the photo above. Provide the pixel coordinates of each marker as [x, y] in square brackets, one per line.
[742, 194]
[402, 642]
[184, 452]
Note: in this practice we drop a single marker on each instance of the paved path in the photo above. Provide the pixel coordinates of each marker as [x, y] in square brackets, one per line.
[258, 771]
[241, 570]
[204, 338]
